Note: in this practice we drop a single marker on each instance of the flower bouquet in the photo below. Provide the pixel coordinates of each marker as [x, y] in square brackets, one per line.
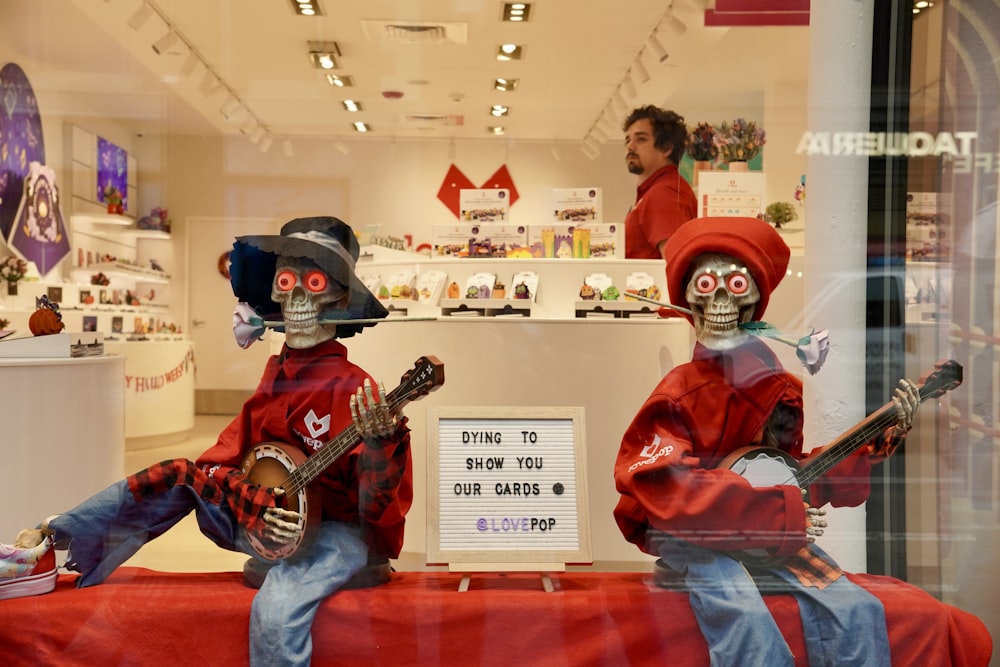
[13, 269]
[113, 198]
[701, 143]
[740, 141]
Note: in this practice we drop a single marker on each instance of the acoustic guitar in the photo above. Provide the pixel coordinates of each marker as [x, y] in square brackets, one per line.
[278, 465]
[769, 466]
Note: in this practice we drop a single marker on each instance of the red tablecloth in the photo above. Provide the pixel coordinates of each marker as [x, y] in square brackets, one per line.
[141, 617]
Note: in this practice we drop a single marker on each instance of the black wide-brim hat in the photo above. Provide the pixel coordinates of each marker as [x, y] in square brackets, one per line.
[328, 242]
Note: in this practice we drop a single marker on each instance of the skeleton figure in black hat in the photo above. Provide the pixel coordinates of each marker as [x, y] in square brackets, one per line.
[308, 394]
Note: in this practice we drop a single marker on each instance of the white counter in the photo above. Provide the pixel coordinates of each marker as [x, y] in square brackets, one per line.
[63, 424]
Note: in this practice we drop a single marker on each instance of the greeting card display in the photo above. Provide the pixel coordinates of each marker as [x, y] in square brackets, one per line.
[641, 283]
[400, 285]
[523, 285]
[484, 205]
[479, 286]
[551, 240]
[430, 285]
[577, 205]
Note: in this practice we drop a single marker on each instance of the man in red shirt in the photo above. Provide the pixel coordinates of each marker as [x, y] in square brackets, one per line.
[309, 393]
[654, 146]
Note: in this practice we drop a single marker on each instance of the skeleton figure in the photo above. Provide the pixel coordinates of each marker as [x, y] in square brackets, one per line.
[722, 295]
[304, 293]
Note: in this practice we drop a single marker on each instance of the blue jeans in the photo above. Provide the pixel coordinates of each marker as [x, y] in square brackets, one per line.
[110, 527]
[842, 624]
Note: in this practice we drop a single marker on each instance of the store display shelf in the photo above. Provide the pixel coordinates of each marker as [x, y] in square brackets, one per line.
[127, 270]
[103, 219]
[615, 309]
[486, 307]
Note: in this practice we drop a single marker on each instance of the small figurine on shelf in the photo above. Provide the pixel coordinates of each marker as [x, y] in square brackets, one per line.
[99, 279]
[12, 270]
[521, 291]
[46, 319]
[158, 219]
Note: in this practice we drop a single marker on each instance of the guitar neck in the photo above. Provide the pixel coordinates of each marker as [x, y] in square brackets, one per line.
[833, 453]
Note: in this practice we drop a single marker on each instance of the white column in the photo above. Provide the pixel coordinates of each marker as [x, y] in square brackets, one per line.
[840, 49]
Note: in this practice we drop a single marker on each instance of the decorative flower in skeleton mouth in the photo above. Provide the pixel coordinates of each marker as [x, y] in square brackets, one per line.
[305, 293]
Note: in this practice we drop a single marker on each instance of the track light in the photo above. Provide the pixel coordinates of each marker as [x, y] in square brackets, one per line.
[286, 145]
[629, 86]
[139, 18]
[257, 135]
[209, 84]
[229, 107]
[619, 101]
[190, 64]
[161, 45]
[264, 144]
[640, 70]
[676, 25]
[657, 48]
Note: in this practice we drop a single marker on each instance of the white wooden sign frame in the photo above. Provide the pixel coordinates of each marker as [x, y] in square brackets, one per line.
[530, 510]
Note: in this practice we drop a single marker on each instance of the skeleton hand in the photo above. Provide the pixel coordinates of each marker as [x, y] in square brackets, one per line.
[281, 525]
[372, 419]
[815, 523]
[907, 400]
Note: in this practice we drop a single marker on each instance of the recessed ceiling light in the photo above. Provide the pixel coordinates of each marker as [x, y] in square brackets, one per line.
[516, 11]
[499, 110]
[361, 127]
[510, 52]
[351, 105]
[339, 81]
[497, 130]
[324, 54]
[307, 7]
[505, 85]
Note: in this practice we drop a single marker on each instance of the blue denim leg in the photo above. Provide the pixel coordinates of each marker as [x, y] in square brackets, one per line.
[283, 609]
[730, 611]
[843, 624]
[109, 528]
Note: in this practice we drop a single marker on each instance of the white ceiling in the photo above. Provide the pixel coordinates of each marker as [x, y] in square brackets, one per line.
[82, 56]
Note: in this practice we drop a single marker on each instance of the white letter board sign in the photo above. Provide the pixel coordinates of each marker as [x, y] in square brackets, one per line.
[507, 488]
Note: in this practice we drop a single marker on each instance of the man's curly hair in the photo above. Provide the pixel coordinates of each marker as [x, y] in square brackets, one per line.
[668, 129]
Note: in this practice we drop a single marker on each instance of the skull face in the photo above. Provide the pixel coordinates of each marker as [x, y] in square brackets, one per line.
[722, 295]
[304, 292]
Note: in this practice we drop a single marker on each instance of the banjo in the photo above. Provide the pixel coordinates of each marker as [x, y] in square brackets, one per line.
[769, 466]
[278, 465]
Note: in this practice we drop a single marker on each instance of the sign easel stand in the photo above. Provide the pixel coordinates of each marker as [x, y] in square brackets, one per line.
[543, 570]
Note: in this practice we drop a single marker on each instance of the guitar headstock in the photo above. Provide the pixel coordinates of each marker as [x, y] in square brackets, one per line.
[426, 375]
[946, 376]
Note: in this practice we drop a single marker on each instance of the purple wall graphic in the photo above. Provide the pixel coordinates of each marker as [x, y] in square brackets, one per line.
[21, 141]
[112, 169]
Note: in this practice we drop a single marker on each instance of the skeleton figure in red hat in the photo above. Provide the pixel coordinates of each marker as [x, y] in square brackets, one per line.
[309, 393]
[716, 532]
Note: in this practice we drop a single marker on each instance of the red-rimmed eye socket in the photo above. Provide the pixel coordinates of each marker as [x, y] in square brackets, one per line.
[285, 280]
[315, 281]
[706, 283]
[738, 283]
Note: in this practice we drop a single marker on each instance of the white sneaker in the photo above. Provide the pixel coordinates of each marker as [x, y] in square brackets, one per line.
[30, 571]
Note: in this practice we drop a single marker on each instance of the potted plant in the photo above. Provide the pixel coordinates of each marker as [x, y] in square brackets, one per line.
[780, 213]
[738, 143]
[701, 147]
[113, 199]
[12, 270]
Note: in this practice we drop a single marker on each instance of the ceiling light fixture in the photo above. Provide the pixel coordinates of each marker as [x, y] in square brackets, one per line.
[324, 54]
[361, 127]
[499, 110]
[190, 64]
[505, 85]
[640, 69]
[257, 135]
[496, 130]
[516, 11]
[264, 144]
[619, 101]
[307, 7]
[161, 45]
[287, 146]
[351, 105]
[676, 24]
[629, 86]
[510, 52]
[139, 18]
[657, 48]
[339, 81]
[229, 107]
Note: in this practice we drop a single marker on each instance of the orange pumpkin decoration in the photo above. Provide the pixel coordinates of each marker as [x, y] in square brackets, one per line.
[45, 321]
